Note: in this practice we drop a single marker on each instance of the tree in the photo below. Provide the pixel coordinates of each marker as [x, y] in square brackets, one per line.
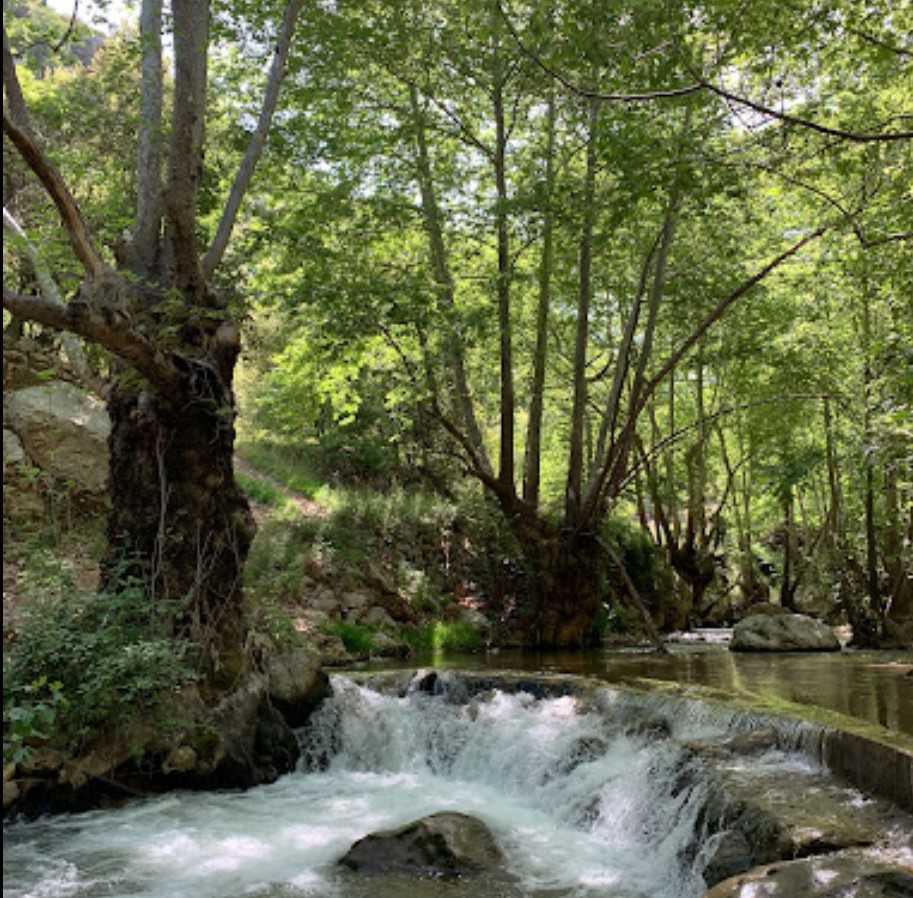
[610, 138]
[154, 302]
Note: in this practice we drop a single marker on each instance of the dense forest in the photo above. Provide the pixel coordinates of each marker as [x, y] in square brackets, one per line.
[610, 303]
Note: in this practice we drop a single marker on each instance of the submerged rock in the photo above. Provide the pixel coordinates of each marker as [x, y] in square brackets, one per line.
[783, 633]
[444, 845]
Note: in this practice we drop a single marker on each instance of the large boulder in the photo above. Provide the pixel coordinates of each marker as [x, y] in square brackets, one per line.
[444, 845]
[13, 453]
[783, 633]
[297, 685]
[64, 431]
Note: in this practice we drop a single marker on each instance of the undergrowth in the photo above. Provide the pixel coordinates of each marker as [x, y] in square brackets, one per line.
[91, 658]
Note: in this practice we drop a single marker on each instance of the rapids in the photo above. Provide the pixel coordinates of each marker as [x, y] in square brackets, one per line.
[583, 802]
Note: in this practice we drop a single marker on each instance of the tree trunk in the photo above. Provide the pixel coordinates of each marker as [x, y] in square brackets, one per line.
[533, 458]
[178, 521]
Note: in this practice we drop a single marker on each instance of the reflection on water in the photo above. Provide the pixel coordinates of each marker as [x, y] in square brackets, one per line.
[871, 686]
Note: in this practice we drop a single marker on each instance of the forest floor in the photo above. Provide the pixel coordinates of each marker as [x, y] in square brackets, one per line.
[308, 507]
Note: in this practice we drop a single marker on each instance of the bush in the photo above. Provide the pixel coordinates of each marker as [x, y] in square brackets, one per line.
[358, 639]
[107, 654]
[440, 637]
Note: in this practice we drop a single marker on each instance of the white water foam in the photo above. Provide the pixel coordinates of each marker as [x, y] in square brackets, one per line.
[579, 806]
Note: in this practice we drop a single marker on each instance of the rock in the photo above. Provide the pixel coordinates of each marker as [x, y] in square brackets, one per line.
[731, 855]
[377, 617]
[855, 873]
[13, 453]
[445, 845]
[783, 633]
[386, 646]
[42, 762]
[582, 751]
[181, 759]
[64, 431]
[10, 793]
[356, 600]
[297, 685]
[326, 602]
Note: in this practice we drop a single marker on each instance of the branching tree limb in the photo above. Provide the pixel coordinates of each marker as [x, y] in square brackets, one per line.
[257, 140]
[100, 327]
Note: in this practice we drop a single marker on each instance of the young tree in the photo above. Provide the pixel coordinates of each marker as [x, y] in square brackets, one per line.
[178, 520]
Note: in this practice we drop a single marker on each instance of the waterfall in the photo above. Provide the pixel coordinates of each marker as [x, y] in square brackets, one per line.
[589, 793]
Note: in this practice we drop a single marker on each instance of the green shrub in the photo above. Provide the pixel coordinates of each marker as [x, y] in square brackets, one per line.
[439, 637]
[108, 654]
[358, 639]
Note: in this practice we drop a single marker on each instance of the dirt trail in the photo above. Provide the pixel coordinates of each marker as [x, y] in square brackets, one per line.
[308, 507]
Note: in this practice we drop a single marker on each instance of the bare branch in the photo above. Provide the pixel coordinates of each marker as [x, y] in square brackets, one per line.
[257, 140]
[79, 318]
[853, 136]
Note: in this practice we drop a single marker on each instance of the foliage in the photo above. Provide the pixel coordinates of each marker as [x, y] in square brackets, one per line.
[357, 638]
[444, 637]
[109, 654]
[259, 490]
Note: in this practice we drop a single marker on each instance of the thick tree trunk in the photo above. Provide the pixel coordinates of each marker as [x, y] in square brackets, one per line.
[178, 521]
[566, 572]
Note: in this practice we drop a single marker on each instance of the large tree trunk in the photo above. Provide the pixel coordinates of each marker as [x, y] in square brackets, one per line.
[178, 521]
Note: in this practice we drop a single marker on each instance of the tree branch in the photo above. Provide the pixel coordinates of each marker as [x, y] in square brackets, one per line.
[17, 127]
[191, 43]
[79, 318]
[853, 136]
[147, 231]
[257, 140]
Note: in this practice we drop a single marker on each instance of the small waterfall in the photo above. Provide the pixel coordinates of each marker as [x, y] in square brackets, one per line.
[577, 798]
[591, 792]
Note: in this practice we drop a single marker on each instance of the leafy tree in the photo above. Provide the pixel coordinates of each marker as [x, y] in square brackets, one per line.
[154, 301]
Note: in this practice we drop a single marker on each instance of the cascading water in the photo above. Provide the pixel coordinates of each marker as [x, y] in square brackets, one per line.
[584, 800]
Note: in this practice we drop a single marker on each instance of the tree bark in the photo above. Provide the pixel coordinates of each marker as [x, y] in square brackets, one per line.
[573, 496]
[533, 457]
[453, 342]
[147, 230]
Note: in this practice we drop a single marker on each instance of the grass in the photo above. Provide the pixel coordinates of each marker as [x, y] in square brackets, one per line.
[293, 466]
[358, 639]
[260, 491]
[440, 637]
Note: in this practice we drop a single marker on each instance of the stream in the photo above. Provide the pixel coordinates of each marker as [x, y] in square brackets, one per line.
[585, 800]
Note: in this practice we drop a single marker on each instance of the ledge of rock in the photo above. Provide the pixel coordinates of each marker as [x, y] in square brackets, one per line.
[783, 633]
[445, 845]
[860, 874]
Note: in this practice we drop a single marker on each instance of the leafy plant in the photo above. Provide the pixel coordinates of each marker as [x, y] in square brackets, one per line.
[109, 653]
[358, 639]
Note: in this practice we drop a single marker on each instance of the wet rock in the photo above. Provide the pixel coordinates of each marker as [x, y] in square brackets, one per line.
[181, 759]
[445, 845]
[10, 794]
[297, 685]
[582, 751]
[64, 431]
[783, 633]
[849, 873]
